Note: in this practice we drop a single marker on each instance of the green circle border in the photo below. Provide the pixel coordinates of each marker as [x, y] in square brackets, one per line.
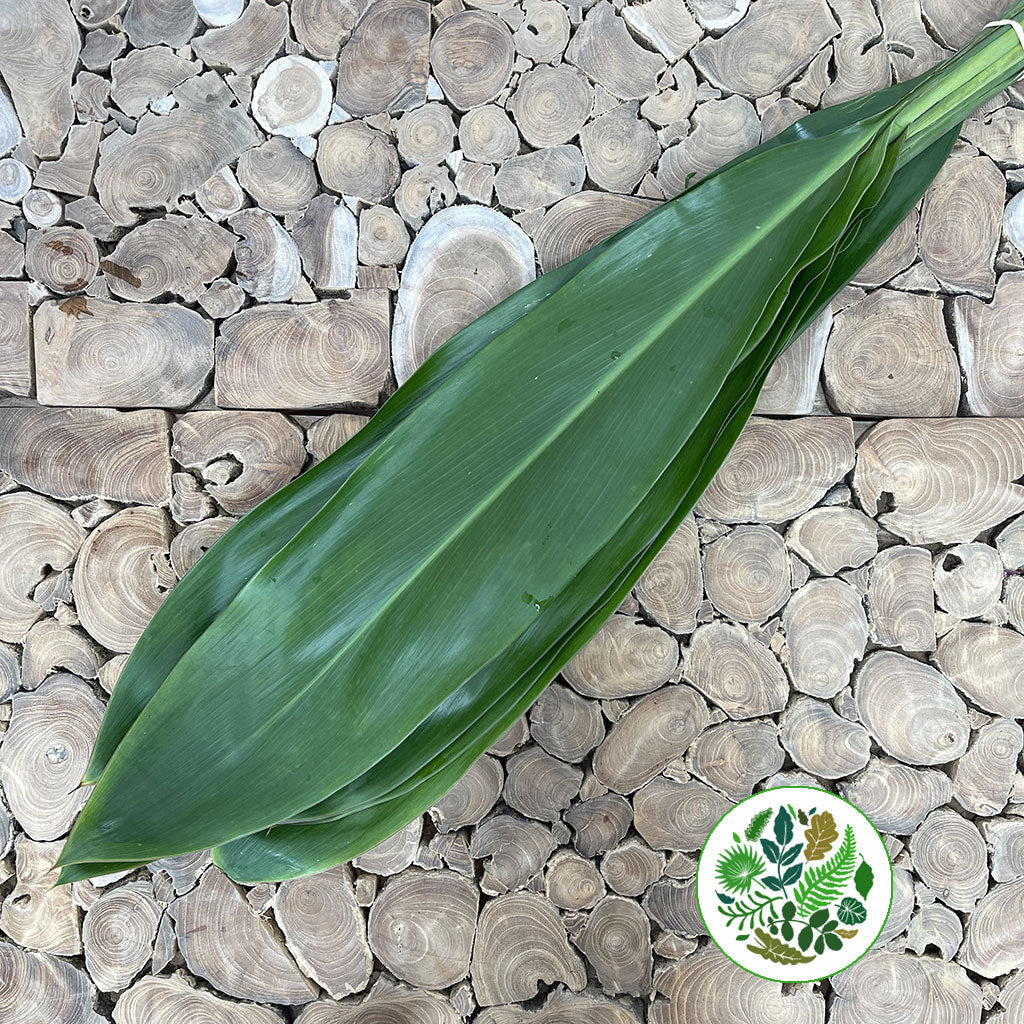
[794, 981]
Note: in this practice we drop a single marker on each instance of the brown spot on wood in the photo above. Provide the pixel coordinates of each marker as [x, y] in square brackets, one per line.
[76, 306]
[59, 246]
[121, 273]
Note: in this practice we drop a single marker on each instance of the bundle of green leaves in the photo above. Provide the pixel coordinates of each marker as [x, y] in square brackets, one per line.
[342, 655]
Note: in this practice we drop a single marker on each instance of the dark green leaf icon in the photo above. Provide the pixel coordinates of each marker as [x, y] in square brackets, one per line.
[832, 940]
[801, 817]
[724, 898]
[771, 851]
[787, 930]
[791, 854]
[804, 938]
[818, 918]
[851, 911]
[830, 926]
[783, 827]
[864, 879]
[771, 883]
[789, 910]
[819, 944]
[740, 938]
[757, 824]
[792, 874]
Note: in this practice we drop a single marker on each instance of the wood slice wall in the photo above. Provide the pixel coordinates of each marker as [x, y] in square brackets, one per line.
[230, 228]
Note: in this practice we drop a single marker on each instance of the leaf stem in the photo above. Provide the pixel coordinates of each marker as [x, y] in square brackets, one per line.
[954, 89]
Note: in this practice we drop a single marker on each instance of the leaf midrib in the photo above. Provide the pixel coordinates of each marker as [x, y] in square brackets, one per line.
[616, 372]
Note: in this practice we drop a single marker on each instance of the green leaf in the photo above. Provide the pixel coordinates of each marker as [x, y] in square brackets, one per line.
[776, 950]
[757, 824]
[818, 918]
[789, 910]
[786, 930]
[336, 629]
[832, 940]
[864, 879]
[822, 885]
[791, 854]
[805, 937]
[791, 875]
[737, 868]
[851, 911]
[290, 850]
[783, 827]
[725, 899]
[771, 851]
[819, 944]
[515, 478]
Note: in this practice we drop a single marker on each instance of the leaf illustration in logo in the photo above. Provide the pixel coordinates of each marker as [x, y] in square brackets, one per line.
[821, 835]
[757, 824]
[776, 950]
[791, 854]
[792, 874]
[783, 827]
[821, 885]
[805, 936]
[738, 867]
[801, 816]
[771, 851]
[864, 879]
[851, 911]
[846, 933]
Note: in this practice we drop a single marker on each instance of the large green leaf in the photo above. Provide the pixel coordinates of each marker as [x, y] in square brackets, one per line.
[292, 850]
[235, 558]
[523, 443]
[376, 628]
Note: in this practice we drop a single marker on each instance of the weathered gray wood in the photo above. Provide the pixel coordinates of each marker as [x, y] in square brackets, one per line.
[37, 536]
[39, 46]
[325, 931]
[41, 987]
[314, 356]
[15, 343]
[121, 354]
[471, 55]
[422, 926]
[122, 575]
[707, 986]
[521, 941]
[384, 65]
[911, 709]
[36, 913]
[624, 658]
[237, 952]
[476, 257]
[74, 454]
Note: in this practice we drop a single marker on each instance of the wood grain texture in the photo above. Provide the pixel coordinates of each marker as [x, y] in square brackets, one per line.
[229, 229]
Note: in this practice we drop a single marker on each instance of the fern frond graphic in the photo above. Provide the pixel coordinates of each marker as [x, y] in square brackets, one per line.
[821, 885]
[757, 825]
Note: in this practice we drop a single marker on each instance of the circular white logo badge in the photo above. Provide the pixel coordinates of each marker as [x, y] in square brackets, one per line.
[794, 884]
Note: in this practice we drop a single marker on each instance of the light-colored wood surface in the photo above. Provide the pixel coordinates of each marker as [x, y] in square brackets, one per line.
[230, 228]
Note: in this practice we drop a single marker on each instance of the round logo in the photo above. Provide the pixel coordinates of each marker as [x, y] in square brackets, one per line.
[794, 884]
